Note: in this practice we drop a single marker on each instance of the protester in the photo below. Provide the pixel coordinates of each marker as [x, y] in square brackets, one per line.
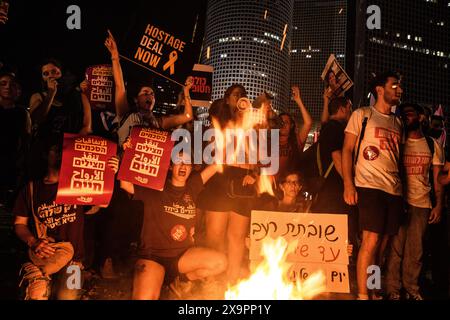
[291, 141]
[15, 124]
[59, 108]
[167, 247]
[141, 115]
[423, 160]
[374, 134]
[57, 241]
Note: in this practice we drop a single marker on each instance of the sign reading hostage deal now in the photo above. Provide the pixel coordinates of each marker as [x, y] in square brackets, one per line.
[101, 87]
[146, 164]
[168, 43]
[320, 244]
[85, 178]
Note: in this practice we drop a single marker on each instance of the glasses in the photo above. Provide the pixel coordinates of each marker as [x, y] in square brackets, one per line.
[51, 72]
[295, 183]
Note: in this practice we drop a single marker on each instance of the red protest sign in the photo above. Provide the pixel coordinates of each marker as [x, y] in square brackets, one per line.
[101, 87]
[147, 162]
[84, 177]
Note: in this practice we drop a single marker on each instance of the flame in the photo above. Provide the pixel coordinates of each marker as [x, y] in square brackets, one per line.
[265, 184]
[270, 281]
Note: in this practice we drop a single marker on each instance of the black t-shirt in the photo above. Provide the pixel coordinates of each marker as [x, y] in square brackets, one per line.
[331, 139]
[169, 218]
[13, 126]
[64, 222]
[66, 118]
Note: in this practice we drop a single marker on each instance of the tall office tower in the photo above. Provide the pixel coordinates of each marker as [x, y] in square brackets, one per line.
[248, 42]
[414, 40]
[320, 29]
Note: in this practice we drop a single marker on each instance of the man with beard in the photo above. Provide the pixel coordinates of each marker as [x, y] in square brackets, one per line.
[375, 134]
[421, 154]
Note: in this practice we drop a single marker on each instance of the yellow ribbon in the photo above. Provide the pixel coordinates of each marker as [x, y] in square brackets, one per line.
[173, 57]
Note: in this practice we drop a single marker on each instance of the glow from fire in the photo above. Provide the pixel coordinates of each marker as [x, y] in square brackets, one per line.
[270, 279]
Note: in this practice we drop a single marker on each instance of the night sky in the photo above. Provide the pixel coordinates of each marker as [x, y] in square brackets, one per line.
[37, 30]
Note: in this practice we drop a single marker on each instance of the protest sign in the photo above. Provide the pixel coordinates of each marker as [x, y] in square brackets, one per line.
[202, 89]
[85, 177]
[319, 241]
[341, 82]
[100, 87]
[146, 164]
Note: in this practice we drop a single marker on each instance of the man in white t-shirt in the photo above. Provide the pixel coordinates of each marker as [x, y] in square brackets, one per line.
[420, 155]
[374, 134]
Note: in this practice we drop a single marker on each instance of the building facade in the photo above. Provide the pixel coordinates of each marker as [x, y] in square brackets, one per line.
[248, 42]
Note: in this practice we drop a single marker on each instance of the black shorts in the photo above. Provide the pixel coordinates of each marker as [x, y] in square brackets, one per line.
[215, 197]
[379, 212]
[170, 265]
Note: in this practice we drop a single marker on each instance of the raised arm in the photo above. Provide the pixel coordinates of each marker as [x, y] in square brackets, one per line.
[121, 101]
[350, 195]
[179, 119]
[87, 115]
[307, 119]
[326, 102]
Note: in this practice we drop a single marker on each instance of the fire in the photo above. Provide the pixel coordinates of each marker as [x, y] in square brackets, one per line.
[270, 280]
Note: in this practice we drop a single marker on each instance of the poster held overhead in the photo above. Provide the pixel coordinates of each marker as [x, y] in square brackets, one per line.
[202, 89]
[100, 87]
[337, 80]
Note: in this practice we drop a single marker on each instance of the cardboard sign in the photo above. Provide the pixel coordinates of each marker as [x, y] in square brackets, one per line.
[84, 177]
[342, 81]
[101, 87]
[319, 241]
[202, 89]
[147, 163]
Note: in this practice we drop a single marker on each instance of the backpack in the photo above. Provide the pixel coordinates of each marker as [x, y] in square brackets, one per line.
[313, 172]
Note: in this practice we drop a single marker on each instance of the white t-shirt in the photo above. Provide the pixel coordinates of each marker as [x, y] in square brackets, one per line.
[377, 166]
[417, 161]
[134, 119]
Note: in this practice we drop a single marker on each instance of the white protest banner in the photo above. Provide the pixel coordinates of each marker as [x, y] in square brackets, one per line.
[319, 241]
[335, 77]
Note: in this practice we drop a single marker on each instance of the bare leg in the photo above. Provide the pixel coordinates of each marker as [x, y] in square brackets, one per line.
[148, 280]
[216, 226]
[236, 234]
[366, 257]
[198, 263]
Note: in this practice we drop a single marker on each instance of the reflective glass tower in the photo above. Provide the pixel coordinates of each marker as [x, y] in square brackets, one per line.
[248, 42]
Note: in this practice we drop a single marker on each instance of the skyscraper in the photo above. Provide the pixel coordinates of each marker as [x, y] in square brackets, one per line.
[248, 42]
[414, 40]
[320, 29]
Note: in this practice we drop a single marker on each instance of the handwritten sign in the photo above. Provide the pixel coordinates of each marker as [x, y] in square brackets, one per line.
[202, 88]
[85, 178]
[319, 241]
[336, 78]
[101, 87]
[147, 163]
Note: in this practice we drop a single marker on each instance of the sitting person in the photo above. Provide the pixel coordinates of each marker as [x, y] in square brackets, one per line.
[57, 242]
[167, 247]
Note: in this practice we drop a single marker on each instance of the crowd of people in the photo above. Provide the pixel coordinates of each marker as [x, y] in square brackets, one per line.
[380, 165]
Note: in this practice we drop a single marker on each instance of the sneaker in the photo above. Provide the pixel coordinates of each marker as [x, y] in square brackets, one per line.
[181, 289]
[394, 296]
[416, 296]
